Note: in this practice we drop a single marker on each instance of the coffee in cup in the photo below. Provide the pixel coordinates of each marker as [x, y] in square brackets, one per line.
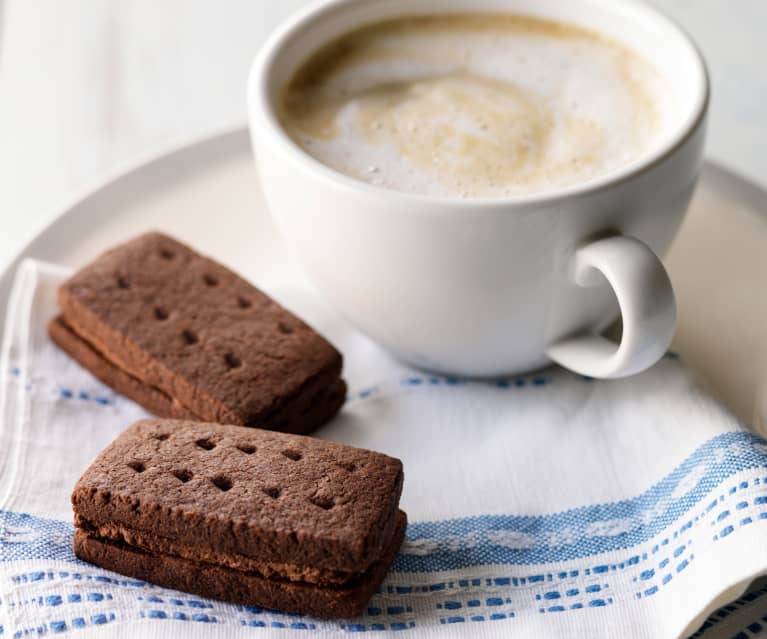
[474, 105]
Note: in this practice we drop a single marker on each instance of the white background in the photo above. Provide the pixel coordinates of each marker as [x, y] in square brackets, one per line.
[88, 86]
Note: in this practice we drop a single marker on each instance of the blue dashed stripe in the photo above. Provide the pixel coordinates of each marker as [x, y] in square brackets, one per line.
[62, 625]
[68, 393]
[502, 383]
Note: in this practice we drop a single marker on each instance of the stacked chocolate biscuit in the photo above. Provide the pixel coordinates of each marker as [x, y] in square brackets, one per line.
[247, 515]
[186, 338]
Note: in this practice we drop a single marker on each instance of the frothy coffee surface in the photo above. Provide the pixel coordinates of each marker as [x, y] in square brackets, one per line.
[474, 105]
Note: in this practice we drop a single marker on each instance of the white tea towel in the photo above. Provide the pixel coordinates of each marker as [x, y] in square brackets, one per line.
[544, 505]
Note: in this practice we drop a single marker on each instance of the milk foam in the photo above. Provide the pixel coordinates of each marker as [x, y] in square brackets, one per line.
[475, 105]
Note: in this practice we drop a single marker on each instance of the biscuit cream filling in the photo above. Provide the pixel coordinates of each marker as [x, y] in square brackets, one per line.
[155, 544]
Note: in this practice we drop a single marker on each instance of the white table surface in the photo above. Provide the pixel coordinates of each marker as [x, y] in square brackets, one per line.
[87, 87]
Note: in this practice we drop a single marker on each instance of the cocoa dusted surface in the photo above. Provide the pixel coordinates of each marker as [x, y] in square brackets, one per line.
[270, 496]
[187, 328]
[218, 582]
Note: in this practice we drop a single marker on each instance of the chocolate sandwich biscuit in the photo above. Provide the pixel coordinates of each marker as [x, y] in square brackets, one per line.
[244, 515]
[186, 338]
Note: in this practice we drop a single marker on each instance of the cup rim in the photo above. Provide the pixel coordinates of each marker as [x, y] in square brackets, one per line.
[260, 104]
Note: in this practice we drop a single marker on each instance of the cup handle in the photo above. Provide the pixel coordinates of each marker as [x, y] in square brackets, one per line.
[647, 306]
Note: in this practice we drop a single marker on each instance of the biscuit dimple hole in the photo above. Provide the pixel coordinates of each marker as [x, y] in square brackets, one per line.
[161, 437]
[243, 303]
[222, 483]
[284, 328]
[347, 466]
[292, 454]
[160, 313]
[190, 337]
[137, 466]
[210, 280]
[205, 444]
[167, 254]
[326, 503]
[182, 475]
[232, 361]
[274, 493]
[248, 450]
[123, 282]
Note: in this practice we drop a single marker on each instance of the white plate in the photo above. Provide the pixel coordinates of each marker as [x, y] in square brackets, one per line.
[207, 194]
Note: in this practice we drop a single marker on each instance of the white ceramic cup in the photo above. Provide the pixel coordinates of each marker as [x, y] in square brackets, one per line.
[487, 287]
